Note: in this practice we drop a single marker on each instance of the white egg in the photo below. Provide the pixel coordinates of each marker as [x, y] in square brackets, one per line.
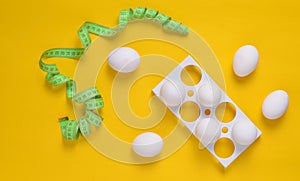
[275, 104]
[208, 130]
[209, 95]
[244, 132]
[124, 59]
[172, 93]
[147, 144]
[245, 60]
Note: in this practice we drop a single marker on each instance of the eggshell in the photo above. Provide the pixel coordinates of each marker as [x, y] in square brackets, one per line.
[275, 104]
[244, 132]
[245, 60]
[209, 95]
[124, 59]
[208, 130]
[147, 144]
[172, 93]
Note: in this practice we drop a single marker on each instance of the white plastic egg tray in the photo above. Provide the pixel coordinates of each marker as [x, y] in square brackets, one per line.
[175, 76]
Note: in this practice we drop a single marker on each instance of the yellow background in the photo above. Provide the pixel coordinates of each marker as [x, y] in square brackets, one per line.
[31, 144]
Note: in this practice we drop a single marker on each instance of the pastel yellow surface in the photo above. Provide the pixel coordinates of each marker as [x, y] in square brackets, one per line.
[31, 143]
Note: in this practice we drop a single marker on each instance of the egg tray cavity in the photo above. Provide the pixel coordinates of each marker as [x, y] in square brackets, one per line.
[175, 76]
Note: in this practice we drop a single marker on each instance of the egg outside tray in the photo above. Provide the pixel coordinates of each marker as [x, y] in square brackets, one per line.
[175, 76]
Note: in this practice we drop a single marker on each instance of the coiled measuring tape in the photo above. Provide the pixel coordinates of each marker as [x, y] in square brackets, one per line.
[91, 97]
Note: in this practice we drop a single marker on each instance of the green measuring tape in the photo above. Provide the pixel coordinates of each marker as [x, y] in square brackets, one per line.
[91, 97]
